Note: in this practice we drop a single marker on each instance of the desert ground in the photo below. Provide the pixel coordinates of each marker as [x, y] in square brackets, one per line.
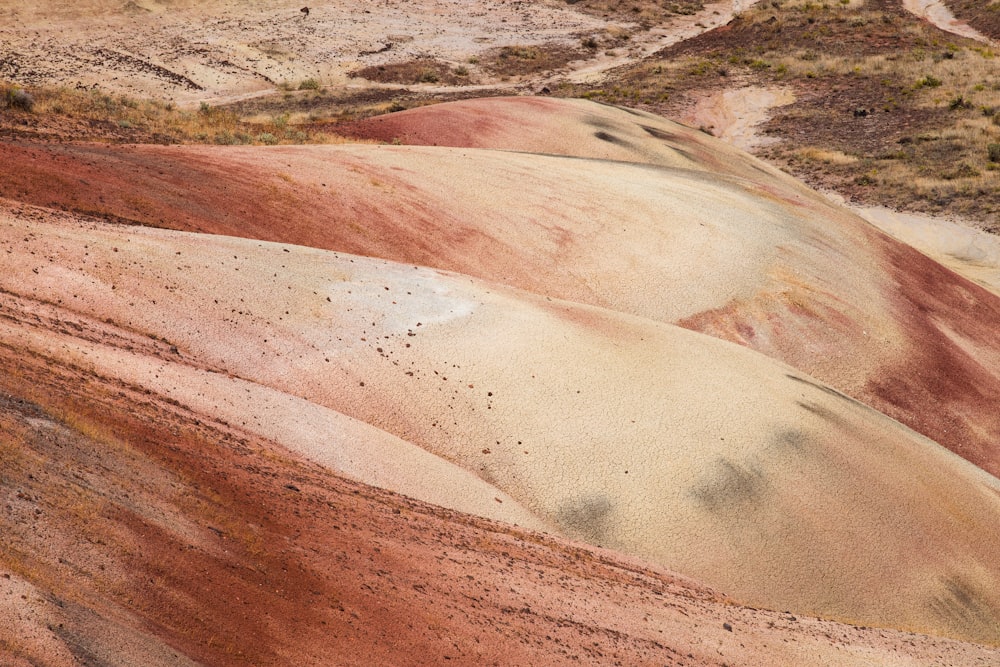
[484, 333]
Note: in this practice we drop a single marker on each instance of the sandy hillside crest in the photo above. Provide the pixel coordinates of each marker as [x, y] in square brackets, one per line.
[752, 256]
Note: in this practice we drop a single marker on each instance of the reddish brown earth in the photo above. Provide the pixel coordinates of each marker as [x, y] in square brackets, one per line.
[876, 346]
[138, 530]
[983, 15]
[184, 438]
[185, 540]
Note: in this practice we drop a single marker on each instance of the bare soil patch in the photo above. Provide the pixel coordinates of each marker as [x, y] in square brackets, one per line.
[518, 60]
[414, 72]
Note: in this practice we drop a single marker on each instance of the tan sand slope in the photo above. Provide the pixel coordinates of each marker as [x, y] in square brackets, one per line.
[192, 51]
[703, 456]
[560, 126]
[965, 250]
[763, 262]
[138, 531]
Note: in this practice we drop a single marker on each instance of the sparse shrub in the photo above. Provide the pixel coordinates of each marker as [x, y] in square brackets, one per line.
[205, 108]
[267, 138]
[866, 179]
[959, 103]
[993, 152]
[461, 70]
[589, 43]
[225, 138]
[964, 170]
[396, 106]
[18, 98]
[309, 84]
[519, 52]
[429, 76]
[929, 81]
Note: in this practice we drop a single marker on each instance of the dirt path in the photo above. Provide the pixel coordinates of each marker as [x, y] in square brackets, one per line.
[714, 15]
[734, 115]
[938, 13]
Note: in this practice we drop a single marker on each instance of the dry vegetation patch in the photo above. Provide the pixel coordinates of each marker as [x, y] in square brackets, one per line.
[417, 71]
[914, 110]
[644, 12]
[62, 113]
[518, 60]
[983, 15]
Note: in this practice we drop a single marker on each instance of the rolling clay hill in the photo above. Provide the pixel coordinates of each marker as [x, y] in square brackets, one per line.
[185, 416]
[366, 395]
[703, 236]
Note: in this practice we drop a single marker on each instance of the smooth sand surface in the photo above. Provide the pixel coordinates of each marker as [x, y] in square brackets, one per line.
[573, 127]
[968, 251]
[703, 456]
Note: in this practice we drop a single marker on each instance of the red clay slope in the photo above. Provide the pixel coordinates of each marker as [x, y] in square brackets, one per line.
[632, 434]
[139, 531]
[833, 296]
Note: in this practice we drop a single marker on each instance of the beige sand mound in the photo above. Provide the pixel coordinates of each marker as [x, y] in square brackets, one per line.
[704, 456]
[764, 262]
[564, 127]
[145, 533]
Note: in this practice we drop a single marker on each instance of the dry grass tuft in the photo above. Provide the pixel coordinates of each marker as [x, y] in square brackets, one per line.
[92, 114]
[415, 72]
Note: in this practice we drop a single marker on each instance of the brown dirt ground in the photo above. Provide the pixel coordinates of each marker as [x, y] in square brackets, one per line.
[983, 15]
